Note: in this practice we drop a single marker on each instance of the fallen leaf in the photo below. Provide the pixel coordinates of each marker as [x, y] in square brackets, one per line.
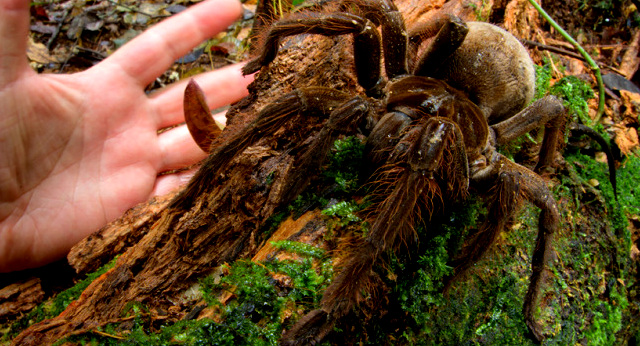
[221, 49]
[94, 25]
[631, 104]
[38, 52]
[77, 25]
[626, 138]
[126, 37]
[38, 12]
[42, 28]
[191, 56]
[176, 8]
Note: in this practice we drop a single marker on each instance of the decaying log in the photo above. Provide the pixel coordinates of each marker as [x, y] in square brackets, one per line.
[100, 247]
[166, 251]
[19, 298]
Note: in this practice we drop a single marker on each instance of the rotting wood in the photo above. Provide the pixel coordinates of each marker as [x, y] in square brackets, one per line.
[19, 298]
[222, 222]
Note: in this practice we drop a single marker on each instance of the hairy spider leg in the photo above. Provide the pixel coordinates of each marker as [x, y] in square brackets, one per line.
[267, 12]
[383, 138]
[513, 184]
[408, 186]
[423, 31]
[394, 33]
[448, 39]
[546, 111]
[366, 42]
[314, 101]
[343, 119]
[550, 112]
[383, 13]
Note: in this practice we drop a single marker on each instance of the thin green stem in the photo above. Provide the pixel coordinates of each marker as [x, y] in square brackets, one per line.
[594, 66]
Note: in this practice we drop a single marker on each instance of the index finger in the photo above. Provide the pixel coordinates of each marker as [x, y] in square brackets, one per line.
[14, 28]
[151, 53]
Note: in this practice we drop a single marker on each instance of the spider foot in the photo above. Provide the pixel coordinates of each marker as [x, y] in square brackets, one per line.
[309, 330]
[197, 115]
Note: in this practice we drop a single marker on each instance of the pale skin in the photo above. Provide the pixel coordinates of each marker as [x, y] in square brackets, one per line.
[78, 150]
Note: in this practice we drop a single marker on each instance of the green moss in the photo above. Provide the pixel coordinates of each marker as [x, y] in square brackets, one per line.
[608, 321]
[543, 79]
[595, 268]
[196, 332]
[301, 249]
[253, 316]
[628, 185]
[345, 164]
[486, 305]
[306, 201]
[585, 299]
[576, 93]
[344, 210]
[257, 313]
[265, 294]
[273, 222]
[483, 308]
[590, 170]
[424, 291]
[339, 177]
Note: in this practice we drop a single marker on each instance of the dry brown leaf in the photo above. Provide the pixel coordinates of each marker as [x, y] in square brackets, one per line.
[38, 52]
[577, 67]
[626, 138]
[631, 105]
[626, 135]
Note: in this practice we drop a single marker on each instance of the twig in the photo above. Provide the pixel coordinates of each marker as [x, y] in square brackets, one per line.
[56, 32]
[594, 67]
[565, 52]
[112, 336]
[99, 55]
[552, 49]
[556, 73]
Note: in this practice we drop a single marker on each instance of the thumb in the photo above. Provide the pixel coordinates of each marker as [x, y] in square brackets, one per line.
[14, 28]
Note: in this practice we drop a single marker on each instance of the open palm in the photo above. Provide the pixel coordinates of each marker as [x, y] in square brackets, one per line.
[78, 150]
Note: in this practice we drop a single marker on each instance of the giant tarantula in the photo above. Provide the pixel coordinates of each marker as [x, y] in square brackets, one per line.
[442, 115]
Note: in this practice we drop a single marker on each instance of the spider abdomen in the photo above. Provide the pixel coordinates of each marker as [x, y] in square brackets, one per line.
[494, 69]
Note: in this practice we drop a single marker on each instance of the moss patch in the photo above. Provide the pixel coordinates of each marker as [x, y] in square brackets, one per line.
[56, 305]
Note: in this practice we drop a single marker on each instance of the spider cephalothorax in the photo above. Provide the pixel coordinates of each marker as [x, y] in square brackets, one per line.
[445, 111]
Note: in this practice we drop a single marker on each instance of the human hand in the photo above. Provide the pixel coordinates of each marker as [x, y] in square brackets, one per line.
[80, 149]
